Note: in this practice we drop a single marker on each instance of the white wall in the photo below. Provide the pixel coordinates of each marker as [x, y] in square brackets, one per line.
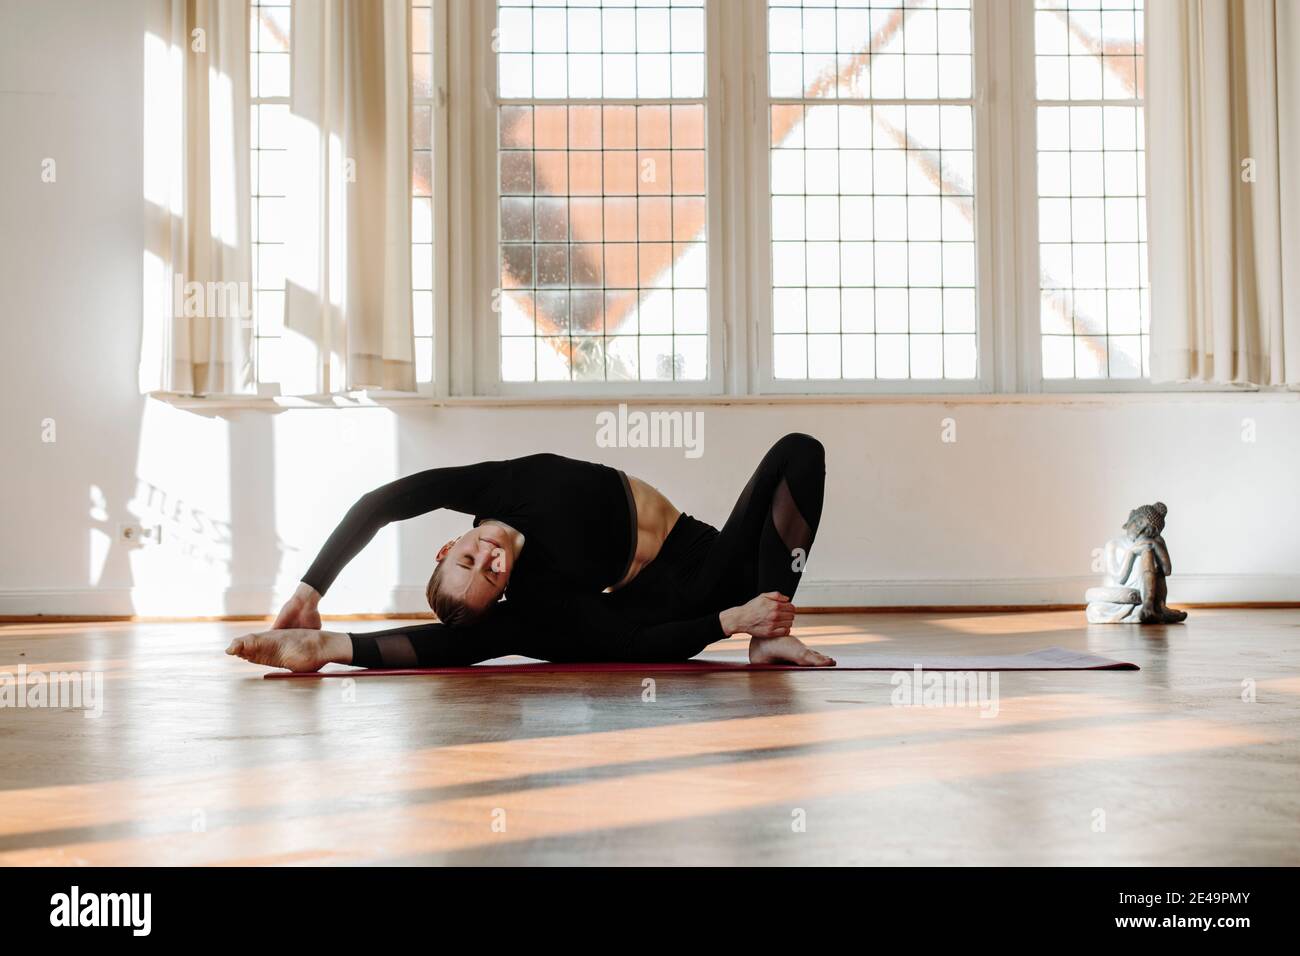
[1009, 513]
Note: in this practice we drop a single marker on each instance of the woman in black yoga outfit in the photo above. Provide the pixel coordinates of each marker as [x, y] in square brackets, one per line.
[592, 565]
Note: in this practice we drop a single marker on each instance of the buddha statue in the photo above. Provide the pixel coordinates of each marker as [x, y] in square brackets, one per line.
[1137, 564]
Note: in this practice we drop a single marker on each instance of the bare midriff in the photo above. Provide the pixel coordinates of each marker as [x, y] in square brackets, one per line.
[655, 517]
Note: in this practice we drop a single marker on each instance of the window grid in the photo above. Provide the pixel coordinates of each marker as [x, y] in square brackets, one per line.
[269, 88]
[422, 191]
[655, 45]
[900, 300]
[269, 75]
[1094, 311]
[601, 207]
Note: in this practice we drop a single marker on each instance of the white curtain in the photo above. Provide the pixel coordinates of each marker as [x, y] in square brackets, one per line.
[348, 249]
[1223, 154]
[197, 329]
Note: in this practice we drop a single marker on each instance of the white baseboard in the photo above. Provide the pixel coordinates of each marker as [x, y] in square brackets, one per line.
[991, 592]
[972, 592]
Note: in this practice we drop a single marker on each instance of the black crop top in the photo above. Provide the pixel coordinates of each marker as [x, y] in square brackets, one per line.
[578, 519]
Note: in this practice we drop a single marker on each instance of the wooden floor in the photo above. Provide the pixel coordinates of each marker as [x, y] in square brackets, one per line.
[195, 759]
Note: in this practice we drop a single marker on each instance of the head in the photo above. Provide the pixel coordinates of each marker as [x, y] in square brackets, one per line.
[1146, 521]
[471, 575]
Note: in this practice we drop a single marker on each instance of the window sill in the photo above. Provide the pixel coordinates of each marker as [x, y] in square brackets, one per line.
[1147, 396]
[284, 402]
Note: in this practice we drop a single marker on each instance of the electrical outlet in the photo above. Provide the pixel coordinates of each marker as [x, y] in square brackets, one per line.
[139, 534]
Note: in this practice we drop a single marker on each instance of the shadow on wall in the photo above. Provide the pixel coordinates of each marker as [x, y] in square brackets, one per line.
[206, 481]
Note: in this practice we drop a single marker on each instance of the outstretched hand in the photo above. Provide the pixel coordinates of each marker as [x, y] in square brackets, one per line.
[768, 615]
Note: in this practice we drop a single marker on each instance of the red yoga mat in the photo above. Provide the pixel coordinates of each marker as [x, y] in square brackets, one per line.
[1048, 659]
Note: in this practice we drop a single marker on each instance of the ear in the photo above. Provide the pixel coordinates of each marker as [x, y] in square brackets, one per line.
[442, 552]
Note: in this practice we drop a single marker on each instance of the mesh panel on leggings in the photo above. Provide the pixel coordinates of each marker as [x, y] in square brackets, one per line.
[396, 650]
[789, 521]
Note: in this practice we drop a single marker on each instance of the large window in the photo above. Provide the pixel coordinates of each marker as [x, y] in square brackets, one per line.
[601, 209]
[757, 196]
[1091, 188]
[270, 76]
[872, 190]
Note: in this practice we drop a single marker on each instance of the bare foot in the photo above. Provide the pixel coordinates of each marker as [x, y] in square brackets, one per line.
[786, 650]
[297, 649]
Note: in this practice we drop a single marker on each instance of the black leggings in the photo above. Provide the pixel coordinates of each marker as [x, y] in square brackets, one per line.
[765, 542]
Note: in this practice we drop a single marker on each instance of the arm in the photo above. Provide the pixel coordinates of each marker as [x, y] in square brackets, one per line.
[1162, 554]
[770, 614]
[468, 488]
